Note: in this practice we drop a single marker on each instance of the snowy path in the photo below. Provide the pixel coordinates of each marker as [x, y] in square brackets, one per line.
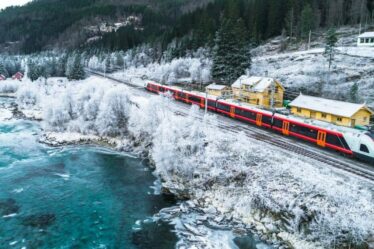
[294, 148]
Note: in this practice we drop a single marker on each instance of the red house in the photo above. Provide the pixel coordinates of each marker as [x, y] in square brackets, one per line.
[2, 77]
[17, 76]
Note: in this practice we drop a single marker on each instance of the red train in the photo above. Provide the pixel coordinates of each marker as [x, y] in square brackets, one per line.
[287, 126]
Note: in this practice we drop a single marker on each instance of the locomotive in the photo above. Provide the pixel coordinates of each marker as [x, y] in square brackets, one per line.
[348, 141]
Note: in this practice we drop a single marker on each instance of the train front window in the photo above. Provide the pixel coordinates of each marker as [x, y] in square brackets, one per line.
[364, 148]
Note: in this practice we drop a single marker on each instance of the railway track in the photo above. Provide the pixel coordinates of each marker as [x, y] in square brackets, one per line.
[286, 144]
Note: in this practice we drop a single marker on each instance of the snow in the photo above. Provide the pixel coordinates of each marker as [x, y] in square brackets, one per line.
[9, 86]
[338, 108]
[216, 87]
[366, 35]
[5, 114]
[257, 84]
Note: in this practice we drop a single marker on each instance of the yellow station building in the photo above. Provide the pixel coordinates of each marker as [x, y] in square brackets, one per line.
[332, 111]
[258, 91]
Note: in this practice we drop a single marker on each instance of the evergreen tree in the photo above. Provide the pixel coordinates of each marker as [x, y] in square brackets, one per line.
[331, 39]
[34, 71]
[354, 93]
[119, 60]
[108, 64]
[3, 70]
[231, 52]
[77, 72]
[61, 66]
[306, 21]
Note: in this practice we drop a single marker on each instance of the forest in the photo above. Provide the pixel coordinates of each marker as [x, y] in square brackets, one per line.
[183, 24]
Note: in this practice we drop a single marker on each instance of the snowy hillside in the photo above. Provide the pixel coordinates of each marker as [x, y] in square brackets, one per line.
[307, 70]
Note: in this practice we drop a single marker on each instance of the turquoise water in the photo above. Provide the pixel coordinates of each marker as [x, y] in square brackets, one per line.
[75, 197]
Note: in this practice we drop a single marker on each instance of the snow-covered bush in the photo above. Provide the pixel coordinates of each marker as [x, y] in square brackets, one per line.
[88, 108]
[114, 112]
[29, 95]
[9, 86]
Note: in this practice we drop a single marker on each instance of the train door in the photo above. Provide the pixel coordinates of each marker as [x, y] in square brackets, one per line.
[232, 111]
[286, 128]
[176, 95]
[259, 119]
[202, 103]
[321, 138]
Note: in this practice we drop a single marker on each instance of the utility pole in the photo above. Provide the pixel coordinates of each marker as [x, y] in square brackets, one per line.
[206, 101]
[310, 36]
[272, 95]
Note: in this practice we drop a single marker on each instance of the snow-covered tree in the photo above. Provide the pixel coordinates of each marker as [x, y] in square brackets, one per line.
[231, 57]
[331, 39]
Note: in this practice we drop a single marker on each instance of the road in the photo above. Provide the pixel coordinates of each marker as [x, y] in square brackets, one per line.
[291, 146]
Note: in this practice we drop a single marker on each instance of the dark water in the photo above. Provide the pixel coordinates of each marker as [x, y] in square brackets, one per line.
[75, 197]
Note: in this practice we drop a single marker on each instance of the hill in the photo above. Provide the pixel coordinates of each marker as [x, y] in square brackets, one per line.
[187, 24]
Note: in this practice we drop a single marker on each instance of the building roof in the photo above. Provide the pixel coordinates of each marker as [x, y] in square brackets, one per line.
[258, 84]
[216, 87]
[338, 108]
[366, 35]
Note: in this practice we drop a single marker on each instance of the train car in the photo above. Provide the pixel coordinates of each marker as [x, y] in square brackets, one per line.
[351, 142]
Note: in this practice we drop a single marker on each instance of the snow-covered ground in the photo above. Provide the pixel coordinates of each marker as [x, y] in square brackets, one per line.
[270, 192]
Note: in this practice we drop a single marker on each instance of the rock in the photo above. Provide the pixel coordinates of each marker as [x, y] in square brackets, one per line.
[39, 220]
[8, 206]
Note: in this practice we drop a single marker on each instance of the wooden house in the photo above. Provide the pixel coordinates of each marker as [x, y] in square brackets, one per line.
[219, 90]
[332, 111]
[260, 91]
[17, 76]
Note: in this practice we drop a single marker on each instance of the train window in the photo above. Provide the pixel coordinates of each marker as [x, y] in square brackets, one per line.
[212, 103]
[195, 99]
[182, 95]
[364, 148]
[333, 140]
[266, 120]
[278, 123]
[161, 89]
[305, 131]
[223, 107]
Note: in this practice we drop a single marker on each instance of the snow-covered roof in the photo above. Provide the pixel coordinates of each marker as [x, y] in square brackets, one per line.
[366, 35]
[216, 87]
[338, 108]
[258, 84]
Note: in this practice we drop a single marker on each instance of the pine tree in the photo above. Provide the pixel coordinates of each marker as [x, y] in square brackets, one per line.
[119, 60]
[307, 21]
[77, 72]
[3, 70]
[34, 71]
[231, 56]
[331, 39]
[354, 93]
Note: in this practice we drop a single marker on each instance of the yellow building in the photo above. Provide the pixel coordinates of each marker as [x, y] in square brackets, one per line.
[332, 111]
[219, 90]
[261, 91]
